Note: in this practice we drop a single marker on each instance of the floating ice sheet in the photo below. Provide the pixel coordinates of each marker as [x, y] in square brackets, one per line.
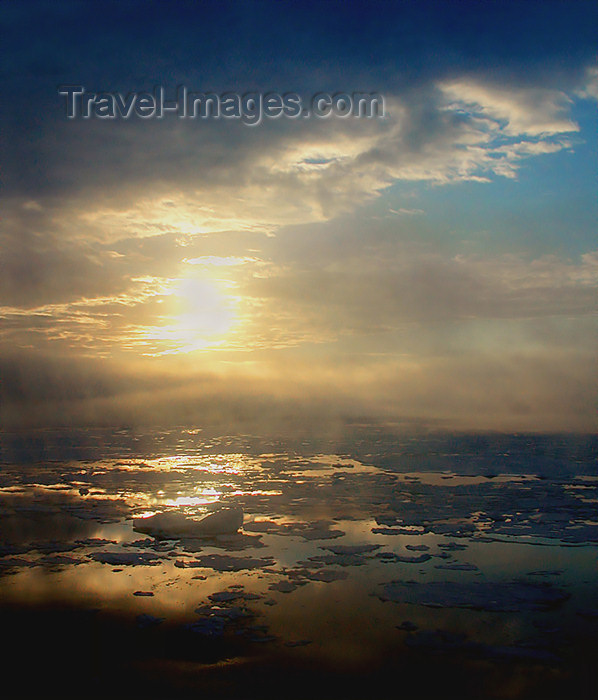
[173, 525]
[223, 562]
[515, 596]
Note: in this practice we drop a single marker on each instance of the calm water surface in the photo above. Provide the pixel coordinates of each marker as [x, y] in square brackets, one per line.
[448, 563]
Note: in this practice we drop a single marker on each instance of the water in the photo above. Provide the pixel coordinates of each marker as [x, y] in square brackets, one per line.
[443, 563]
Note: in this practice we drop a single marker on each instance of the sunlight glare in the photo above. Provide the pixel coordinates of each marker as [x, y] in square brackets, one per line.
[201, 315]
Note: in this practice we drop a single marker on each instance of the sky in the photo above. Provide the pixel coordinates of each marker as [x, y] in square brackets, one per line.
[436, 266]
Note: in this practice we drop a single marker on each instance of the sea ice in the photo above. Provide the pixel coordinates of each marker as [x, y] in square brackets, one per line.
[225, 596]
[338, 559]
[268, 526]
[298, 643]
[443, 641]
[175, 525]
[413, 560]
[12, 564]
[325, 575]
[208, 626]
[407, 626]
[282, 587]
[320, 530]
[351, 549]
[397, 531]
[144, 620]
[261, 639]
[403, 558]
[222, 562]
[58, 560]
[127, 558]
[515, 596]
[95, 542]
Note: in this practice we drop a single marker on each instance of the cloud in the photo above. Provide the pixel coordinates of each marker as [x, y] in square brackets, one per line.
[263, 246]
[515, 111]
[409, 212]
[590, 88]
[314, 285]
[187, 179]
[385, 292]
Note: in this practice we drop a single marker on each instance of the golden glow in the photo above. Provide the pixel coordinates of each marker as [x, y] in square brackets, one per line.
[218, 464]
[199, 314]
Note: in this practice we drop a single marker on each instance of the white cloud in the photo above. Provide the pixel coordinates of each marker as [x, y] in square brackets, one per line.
[515, 111]
[296, 172]
[408, 212]
[590, 88]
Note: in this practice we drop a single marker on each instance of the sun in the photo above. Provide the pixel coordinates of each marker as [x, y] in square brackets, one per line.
[198, 315]
[204, 308]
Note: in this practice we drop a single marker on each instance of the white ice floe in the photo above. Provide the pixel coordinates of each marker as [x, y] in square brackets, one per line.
[222, 562]
[176, 525]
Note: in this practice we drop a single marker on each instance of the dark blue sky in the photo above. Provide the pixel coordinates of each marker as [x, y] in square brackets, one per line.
[307, 47]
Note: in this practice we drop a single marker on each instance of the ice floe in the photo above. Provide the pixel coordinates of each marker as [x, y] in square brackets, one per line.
[442, 641]
[338, 559]
[144, 620]
[223, 562]
[173, 525]
[325, 575]
[404, 558]
[407, 626]
[127, 558]
[351, 549]
[283, 587]
[500, 596]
